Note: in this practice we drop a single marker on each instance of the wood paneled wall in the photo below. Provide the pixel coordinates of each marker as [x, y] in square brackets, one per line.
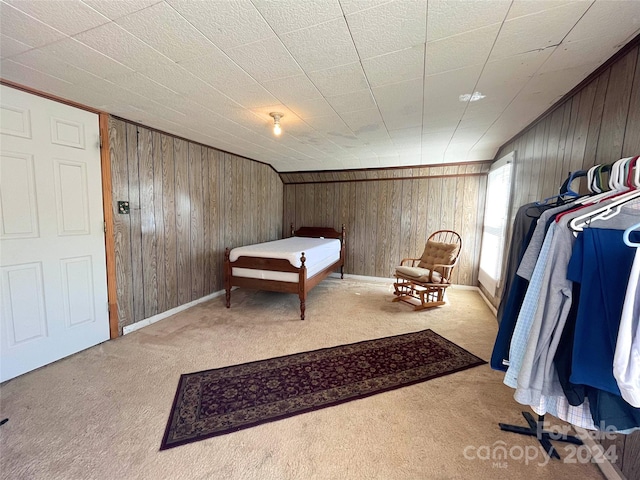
[390, 219]
[187, 203]
[598, 124]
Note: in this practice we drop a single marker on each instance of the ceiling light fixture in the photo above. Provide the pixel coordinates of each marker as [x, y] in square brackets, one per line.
[276, 122]
[471, 97]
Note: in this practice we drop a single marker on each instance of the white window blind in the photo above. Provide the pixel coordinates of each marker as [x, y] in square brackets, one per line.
[495, 223]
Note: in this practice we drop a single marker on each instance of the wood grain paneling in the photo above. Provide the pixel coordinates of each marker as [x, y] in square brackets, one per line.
[434, 194]
[631, 456]
[169, 214]
[359, 235]
[196, 234]
[616, 109]
[625, 449]
[135, 230]
[632, 132]
[161, 296]
[206, 223]
[390, 219]
[459, 221]
[395, 250]
[406, 217]
[214, 244]
[236, 201]
[187, 203]
[382, 241]
[147, 222]
[554, 123]
[183, 219]
[422, 231]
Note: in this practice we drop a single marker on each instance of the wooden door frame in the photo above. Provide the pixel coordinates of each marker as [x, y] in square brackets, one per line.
[107, 197]
[109, 233]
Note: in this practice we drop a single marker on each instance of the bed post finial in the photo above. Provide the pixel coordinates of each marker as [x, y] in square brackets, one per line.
[343, 234]
[292, 232]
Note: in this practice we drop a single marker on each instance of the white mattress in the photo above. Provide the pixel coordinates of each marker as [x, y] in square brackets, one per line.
[319, 253]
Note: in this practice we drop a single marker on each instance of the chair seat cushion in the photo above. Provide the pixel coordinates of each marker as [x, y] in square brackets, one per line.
[418, 274]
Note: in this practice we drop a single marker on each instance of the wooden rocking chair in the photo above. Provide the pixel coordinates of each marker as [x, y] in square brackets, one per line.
[421, 282]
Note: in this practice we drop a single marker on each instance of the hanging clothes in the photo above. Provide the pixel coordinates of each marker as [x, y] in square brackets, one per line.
[626, 363]
[519, 239]
[538, 376]
[528, 253]
[524, 323]
[597, 323]
[568, 295]
[600, 308]
[532, 218]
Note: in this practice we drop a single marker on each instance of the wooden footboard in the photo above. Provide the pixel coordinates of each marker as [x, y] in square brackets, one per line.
[301, 287]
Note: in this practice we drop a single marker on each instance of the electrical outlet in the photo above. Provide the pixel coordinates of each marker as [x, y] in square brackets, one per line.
[123, 208]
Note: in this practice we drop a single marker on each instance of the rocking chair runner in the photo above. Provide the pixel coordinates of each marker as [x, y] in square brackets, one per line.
[421, 282]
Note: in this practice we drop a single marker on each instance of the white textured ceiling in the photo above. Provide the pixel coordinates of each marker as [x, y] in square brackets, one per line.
[361, 83]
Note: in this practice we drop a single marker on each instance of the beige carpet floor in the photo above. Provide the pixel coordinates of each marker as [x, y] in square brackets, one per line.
[101, 414]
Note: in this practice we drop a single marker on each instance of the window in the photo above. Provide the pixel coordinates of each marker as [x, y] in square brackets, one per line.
[496, 213]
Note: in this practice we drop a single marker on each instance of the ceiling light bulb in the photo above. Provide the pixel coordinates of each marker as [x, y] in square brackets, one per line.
[471, 97]
[277, 130]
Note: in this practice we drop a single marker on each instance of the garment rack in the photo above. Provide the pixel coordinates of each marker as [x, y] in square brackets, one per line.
[536, 429]
[628, 187]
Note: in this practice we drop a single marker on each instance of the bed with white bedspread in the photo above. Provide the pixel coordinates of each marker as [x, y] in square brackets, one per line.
[291, 265]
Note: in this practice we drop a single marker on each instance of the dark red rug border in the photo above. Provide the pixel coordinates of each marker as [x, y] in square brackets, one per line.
[164, 445]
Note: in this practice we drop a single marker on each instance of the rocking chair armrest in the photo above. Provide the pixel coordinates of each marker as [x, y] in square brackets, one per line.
[441, 269]
[412, 260]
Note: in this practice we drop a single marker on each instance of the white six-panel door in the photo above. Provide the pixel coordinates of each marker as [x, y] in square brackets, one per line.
[53, 285]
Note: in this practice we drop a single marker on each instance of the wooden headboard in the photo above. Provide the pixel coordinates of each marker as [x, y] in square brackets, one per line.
[317, 232]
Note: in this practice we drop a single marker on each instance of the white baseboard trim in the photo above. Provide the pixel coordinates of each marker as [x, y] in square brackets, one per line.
[161, 316]
[363, 277]
[464, 287]
[489, 304]
[391, 280]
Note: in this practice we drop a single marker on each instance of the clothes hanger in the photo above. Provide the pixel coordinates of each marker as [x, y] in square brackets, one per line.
[565, 189]
[627, 169]
[590, 178]
[617, 177]
[627, 233]
[600, 171]
[607, 196]
[619, 184]
[603, 196]
[611, 209]
[596, 180]
[596, 184]
[572, 177]
[630, 174]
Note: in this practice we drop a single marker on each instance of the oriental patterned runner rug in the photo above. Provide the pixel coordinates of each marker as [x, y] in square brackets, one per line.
[228, 399]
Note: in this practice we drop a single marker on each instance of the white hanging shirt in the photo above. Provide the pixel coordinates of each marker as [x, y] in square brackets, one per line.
[626, 362]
